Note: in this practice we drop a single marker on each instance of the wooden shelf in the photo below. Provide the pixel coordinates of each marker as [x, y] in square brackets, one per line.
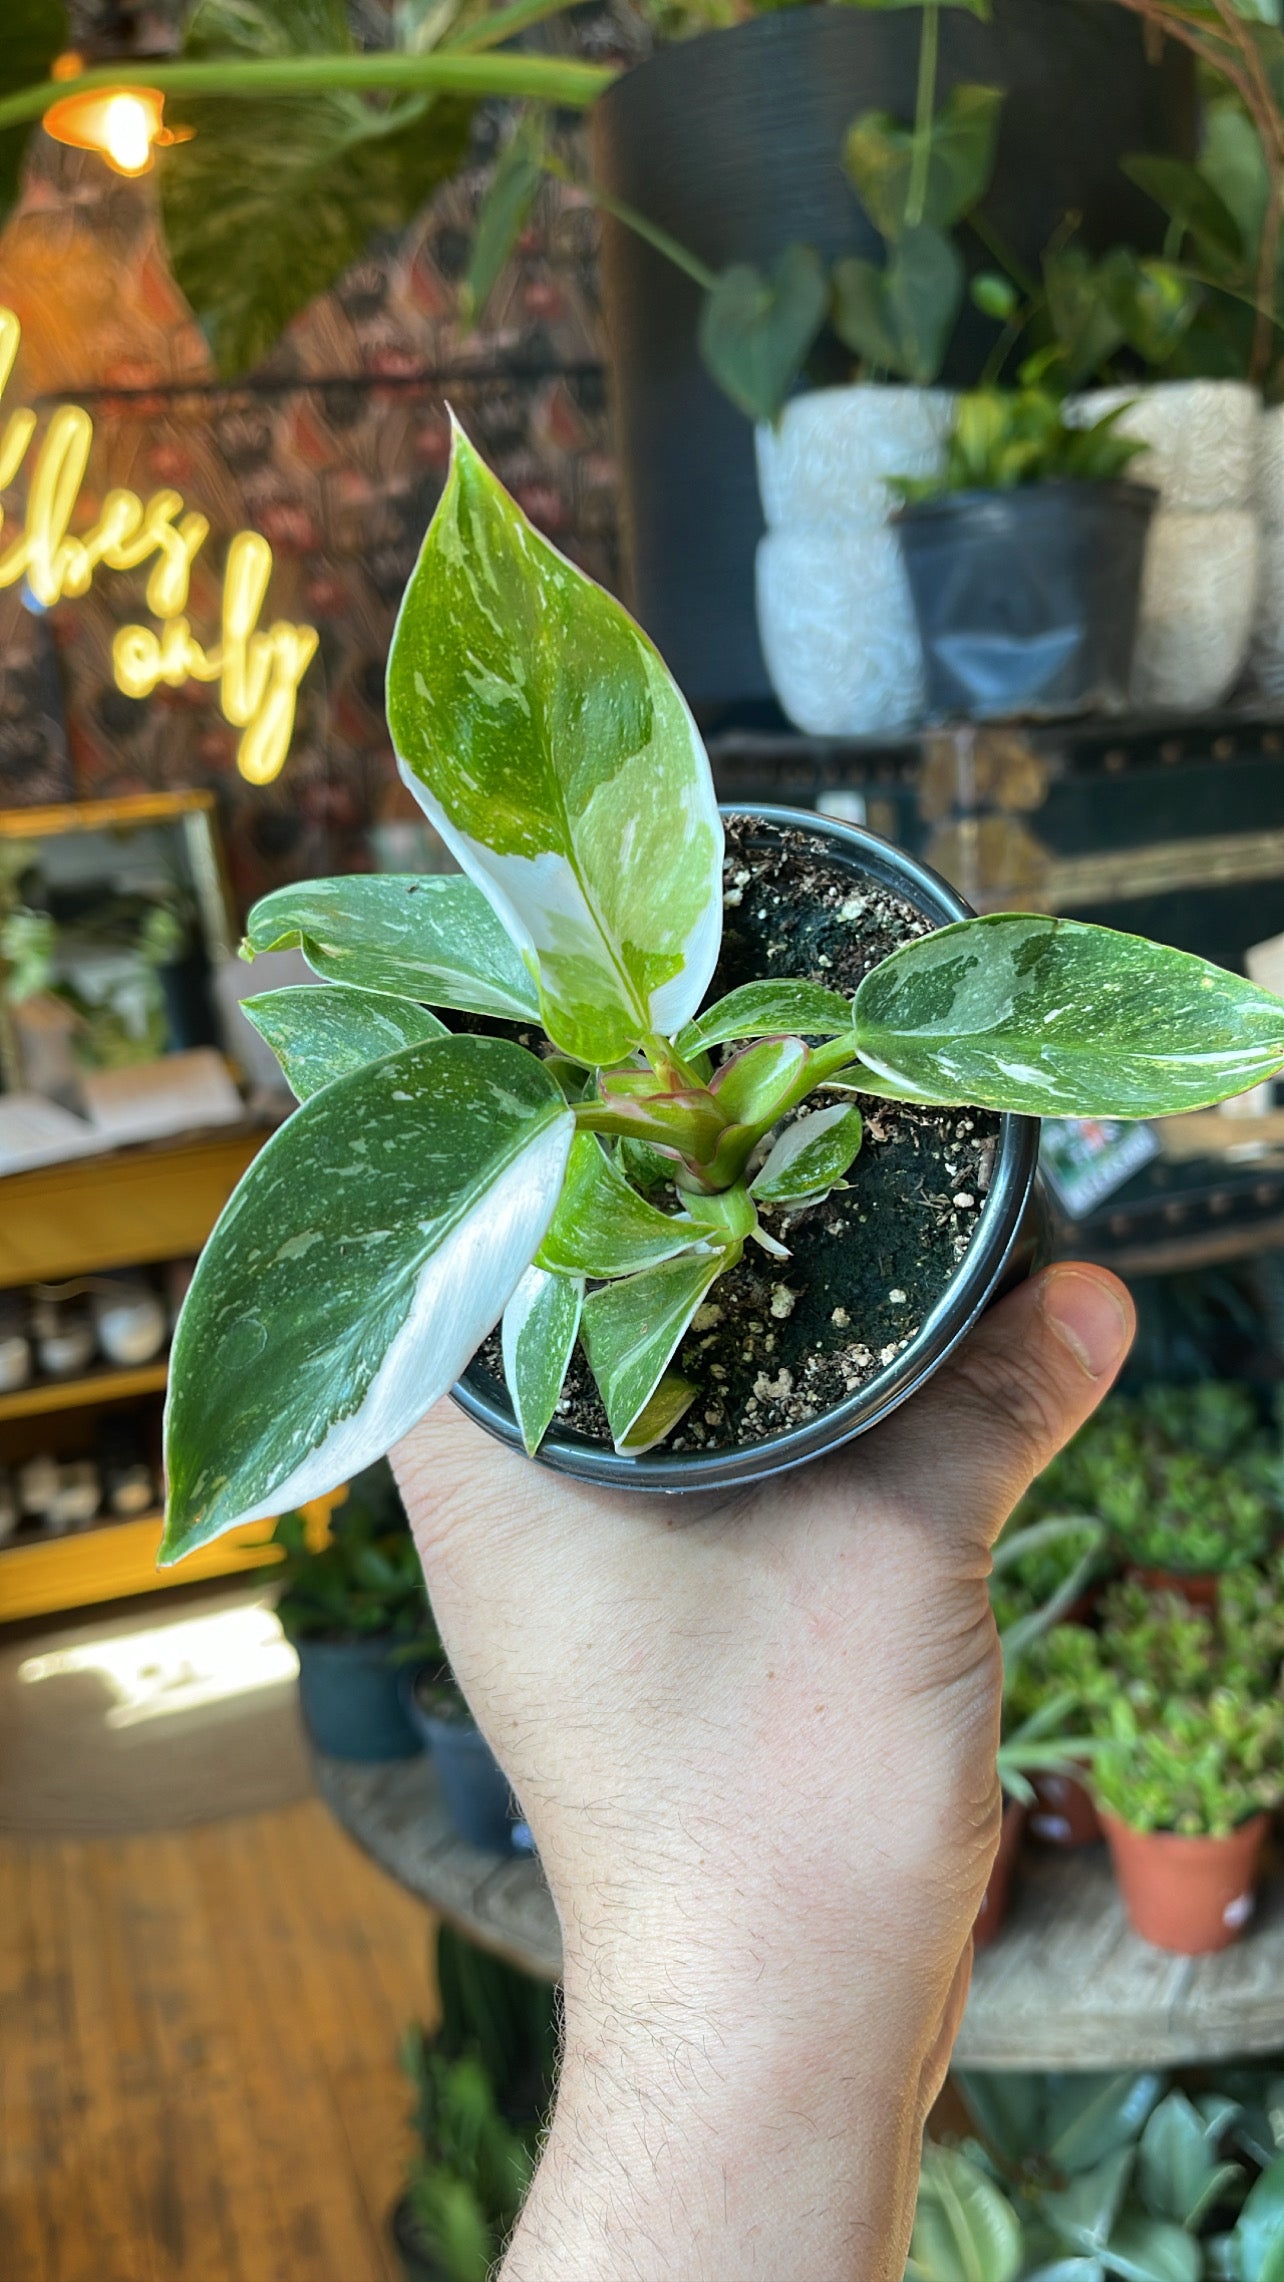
[111, 1385]
[118, 1558]
[154, 1201]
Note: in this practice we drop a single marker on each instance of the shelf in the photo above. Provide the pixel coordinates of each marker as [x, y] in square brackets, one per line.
[118, 1558]
[112, 1385]
[153, 1201]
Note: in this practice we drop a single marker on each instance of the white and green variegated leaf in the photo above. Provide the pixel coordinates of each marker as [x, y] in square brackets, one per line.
[602, 1227]
[965, 2229]
[321, 1031]
[810, 1155]
[1055, 1018]
[544, 737]
[768, 1010]
[541, 1322]
[630, 1330]
[367, 1251]
[434, 939]
[670, 1402]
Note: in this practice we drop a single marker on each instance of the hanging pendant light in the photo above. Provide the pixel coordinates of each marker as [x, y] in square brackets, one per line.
[124, 124]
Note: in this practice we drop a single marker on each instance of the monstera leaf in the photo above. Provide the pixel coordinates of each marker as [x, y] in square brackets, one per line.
[33, 33]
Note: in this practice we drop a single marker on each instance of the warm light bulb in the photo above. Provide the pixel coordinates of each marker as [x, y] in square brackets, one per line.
[123, 124]
[126, 133]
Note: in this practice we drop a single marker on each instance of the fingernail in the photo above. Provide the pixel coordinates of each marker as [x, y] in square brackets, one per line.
[1090, 1316]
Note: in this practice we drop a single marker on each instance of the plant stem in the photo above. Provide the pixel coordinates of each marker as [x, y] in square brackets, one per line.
[671, 248]
[924, 105]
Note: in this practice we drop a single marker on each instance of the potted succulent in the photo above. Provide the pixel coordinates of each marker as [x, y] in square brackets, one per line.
[1186, 1481]
[1062, 1670]
[356, 1614]
[639, 1182]
[473, 1783]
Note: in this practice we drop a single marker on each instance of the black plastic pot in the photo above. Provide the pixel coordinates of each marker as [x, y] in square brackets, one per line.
[351, 1696]
[731, 142]
[1027, 600]
[1003, 1249]
[473, 1784]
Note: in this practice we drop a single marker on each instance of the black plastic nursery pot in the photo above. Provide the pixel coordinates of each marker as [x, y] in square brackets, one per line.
[1027, 600]
[473, 1784]
[351, 1696]
[941, 1213]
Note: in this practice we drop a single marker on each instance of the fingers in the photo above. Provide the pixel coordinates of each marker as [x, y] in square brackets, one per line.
[1023, 1382]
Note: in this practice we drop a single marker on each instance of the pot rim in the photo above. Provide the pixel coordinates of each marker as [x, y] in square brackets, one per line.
[1254, 1828]
[960, 1304]
[1142, 498]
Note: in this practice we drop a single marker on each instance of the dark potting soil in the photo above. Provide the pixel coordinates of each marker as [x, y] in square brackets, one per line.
[780, 1341]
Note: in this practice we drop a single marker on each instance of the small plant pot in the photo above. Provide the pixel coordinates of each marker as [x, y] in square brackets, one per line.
[1027, 601]
[1197, 1587]
[994, 1901]
[1189, 1895]
[832, 1266]
[351, 1697]
[1063, 1813]
[416, 2264]
[474, 1786]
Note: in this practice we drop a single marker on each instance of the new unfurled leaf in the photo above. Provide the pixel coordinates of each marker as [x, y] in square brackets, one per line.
[540, 1325]
[670, 1402]
[602, 1227]
[631, 1328]
[1051, 1017]
[756, 330]
[757, 1085]
[321, 1031]
[368, 1250]
[435, 939]
[810, 1155]
[766, 1010]
[541, 732]
[965, 2229]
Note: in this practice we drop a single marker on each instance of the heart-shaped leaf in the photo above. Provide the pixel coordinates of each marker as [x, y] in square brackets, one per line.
[900, 318]
[542, 734]
[319, 1032]
[1055, 1018]
[630, 1330]
[756, 330]
[35, 31]
[810, 1155]
[366, 1253]
[435, 939]
[541, 1323]
[766, 1010]
[503, 214]
[878, 154]
[965, 2229]
[602, 1227]
[1081, 302]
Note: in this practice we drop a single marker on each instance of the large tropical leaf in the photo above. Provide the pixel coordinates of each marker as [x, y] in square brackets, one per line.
[33, 33]
[541, 732]
[1055, 1018]
[434, 939]
[369, 1248]
[275, 196]
[320, 1032]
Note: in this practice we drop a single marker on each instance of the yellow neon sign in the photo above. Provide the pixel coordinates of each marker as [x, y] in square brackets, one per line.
[258, 671]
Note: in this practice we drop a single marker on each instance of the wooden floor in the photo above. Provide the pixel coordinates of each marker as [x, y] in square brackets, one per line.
[198, 2034]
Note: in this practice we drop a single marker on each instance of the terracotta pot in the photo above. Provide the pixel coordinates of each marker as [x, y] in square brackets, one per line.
[1190, 1895]
[1063, 1813]
[994, 1901]
[1197, 1587]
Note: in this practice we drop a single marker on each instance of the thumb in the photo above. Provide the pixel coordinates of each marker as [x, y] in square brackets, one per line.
[1021, 1384]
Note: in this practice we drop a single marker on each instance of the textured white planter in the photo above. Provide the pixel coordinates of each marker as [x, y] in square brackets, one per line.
[1202, 437]
[838, 629]
[1268, 633]
[1268, 487]
[834, 449]
[1197, 608]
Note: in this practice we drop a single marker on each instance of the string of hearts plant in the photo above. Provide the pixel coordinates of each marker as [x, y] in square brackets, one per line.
[431, 1183]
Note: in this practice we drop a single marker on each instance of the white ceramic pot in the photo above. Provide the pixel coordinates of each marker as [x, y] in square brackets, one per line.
[1202, 437]
[1268, 630]
[1197, 605]
[838, 630]
[829, 459]
[1268, 486]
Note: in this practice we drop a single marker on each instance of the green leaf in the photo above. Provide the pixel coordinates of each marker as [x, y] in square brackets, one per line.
[602, 1227]
[365, 1254]
[755, 331]
[1055, 1018]
[541, 1323]
[965, 2229]
[1258, 2236]
[503, 214]
[900, 318]
[1152, 2250]
[810, 1155]
[546, 740]
[878, 154]
[435, 939]
[766, 1010]
[35, 31]
[1190, 199]
[760, 1082]
[631, 1328]
[1156, 305]
[995, 296]
[1178, 2174]
[319, 1033]
[1232, 163]
[1080, 297]
[670, 1402]
[276, 195]
[1083, 2215]
[1088, 2116]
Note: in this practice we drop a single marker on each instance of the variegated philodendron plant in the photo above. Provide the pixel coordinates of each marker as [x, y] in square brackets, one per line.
[431, 1183]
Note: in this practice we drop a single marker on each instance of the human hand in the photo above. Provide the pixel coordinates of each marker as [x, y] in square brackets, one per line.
[754, 1737]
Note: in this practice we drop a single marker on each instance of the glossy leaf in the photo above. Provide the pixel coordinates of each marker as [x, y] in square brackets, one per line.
[1258, 2237]
[541, 1324]
[1178, 2172]
[899, 319]
[1055, 1018]
[758, 1084]
[1232, 162]
[35, 31]
[1142, 2249]
[965, 2229]
[320, 1032]
[766, 1010]
[545, 738]
[810, 1155]
[435, 939]
[1083, 2215]
[602, 1227]
[630, 1330]
[670, 1402]
[1088, 2116]
[878, 155]
[1191, 200]
[366, 1253]
[756, 330]
[503, 214]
